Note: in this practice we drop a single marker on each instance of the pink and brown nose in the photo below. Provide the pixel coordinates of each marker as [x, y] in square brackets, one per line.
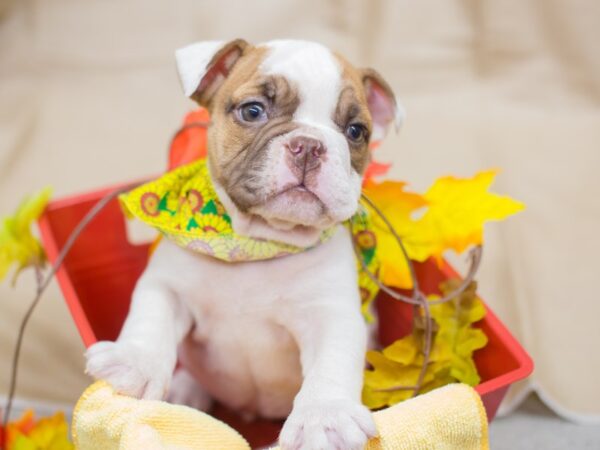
[306, 152]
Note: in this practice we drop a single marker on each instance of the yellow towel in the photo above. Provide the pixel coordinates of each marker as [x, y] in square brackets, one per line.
[451, 417]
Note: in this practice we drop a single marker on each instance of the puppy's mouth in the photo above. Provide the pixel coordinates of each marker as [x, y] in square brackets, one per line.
[294, 207]
[299, 192]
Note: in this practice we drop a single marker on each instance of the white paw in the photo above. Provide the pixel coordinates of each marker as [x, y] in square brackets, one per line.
[328, 425]
[130, 369]
[185, 390]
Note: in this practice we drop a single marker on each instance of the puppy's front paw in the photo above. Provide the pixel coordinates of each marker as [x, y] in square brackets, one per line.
[334, 424]
[129, 369]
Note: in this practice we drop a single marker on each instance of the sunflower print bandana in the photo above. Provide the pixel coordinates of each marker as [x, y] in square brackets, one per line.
[184, 207]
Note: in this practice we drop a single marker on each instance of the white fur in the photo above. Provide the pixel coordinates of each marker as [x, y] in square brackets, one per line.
[259, 332]
[315, 72]
[192, 61]
[261, 337]
[399, 117]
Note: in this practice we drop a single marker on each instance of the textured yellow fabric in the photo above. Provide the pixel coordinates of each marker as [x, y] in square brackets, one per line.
[451, 417]
[104, 420]
[183, 205]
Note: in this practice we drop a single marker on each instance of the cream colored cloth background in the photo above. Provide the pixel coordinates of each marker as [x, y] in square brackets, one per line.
[89, 97]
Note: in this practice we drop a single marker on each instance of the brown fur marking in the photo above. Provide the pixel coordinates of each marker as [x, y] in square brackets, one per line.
[237, 149]
[352, 108]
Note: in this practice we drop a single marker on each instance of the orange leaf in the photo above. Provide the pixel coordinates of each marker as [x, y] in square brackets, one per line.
[22, 426]
[459, 208]
[375, 169]
[392, 199]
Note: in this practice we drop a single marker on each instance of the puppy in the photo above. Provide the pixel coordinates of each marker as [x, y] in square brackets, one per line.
[284, 337]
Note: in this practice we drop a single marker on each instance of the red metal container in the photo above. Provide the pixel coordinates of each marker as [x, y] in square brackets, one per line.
[99, 274]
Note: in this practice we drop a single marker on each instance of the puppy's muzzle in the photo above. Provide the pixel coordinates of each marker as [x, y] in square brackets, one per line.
[305, 154]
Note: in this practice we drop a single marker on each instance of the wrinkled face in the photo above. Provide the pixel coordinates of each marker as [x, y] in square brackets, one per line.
[291, 124]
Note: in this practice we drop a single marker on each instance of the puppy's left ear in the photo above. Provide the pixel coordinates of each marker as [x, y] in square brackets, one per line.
[203, 66]
[382, 104]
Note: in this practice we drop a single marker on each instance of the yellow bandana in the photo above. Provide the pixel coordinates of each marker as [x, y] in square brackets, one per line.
[184, 207]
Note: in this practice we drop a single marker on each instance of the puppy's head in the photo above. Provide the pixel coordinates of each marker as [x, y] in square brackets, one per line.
[291, 125]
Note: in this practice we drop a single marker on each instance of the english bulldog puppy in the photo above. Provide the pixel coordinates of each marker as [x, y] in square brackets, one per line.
[287, 147]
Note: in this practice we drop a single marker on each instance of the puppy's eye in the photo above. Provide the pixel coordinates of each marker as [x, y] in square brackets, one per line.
[253, 112]
[356, 132]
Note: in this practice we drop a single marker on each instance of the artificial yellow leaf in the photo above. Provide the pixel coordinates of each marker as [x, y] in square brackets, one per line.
[51, 433]
[456, 339]
[399, 396]
[403, 350]
[457, 210]
[442, 349]
[466, 308]
[388, 373]
[17, 243]
[23, 442]
[396, 368]
[391, 197]
[17, 428]
[374, 399]
[464, 371]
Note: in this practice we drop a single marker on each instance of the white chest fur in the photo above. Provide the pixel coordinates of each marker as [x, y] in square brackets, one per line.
[242, 347]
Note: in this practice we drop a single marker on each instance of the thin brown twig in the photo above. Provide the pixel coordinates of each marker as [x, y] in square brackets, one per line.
[428, 342]
[397, 388]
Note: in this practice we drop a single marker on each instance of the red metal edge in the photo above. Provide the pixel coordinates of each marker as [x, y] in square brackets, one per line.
[525, 363]
[68, 291]
[93, 195]
[50, 246]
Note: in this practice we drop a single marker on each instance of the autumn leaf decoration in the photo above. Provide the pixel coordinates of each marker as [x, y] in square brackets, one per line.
[27, 433]
[449, 216]
[454, 211]
[18, 246]
[396, 369]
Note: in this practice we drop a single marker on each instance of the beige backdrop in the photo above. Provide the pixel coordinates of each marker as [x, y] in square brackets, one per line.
[89, 96]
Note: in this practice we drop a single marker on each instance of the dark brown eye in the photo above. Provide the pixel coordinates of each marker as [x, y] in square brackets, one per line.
[356, 132]
[253, 112]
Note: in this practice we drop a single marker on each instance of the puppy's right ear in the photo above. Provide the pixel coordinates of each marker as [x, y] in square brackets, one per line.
[203, 66]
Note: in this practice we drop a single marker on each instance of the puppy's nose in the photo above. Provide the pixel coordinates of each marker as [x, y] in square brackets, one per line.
[307, 152]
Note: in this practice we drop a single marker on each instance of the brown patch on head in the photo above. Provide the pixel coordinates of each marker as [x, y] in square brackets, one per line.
[351, 109]
[237, 149]
[218, 68]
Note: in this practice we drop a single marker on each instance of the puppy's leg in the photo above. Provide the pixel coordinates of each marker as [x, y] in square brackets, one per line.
[327, 412]
[185, 390]
[141, 362]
